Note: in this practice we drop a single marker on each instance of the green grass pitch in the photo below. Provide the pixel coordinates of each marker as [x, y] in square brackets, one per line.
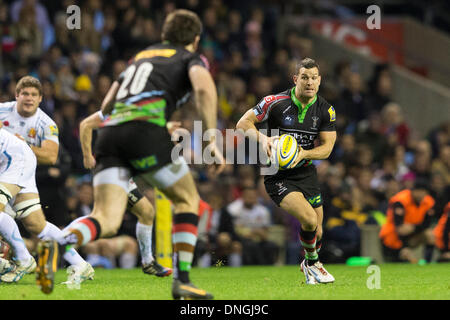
[397, 281]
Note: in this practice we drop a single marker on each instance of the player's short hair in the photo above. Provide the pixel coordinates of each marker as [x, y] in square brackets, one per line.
[28, 81]
[307, 63]
[181, 27]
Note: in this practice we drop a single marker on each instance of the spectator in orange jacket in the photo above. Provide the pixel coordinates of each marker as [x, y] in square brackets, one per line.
[409, 215]
[442, 234]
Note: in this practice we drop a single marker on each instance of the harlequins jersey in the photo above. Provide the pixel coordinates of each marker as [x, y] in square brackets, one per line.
[285, 112]
[154, 85]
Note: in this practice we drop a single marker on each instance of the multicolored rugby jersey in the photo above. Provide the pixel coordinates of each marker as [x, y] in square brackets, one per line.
[154, 85]
[284, 111]
[34, 129]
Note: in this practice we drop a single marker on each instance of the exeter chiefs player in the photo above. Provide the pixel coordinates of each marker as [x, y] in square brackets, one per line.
[26, 120]
[134, 142]
[17, 171]
[302, 113]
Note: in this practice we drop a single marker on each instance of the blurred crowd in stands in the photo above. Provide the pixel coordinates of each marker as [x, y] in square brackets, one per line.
[377, 152]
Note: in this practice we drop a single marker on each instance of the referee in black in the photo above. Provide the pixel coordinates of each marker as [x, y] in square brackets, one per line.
[303, 114]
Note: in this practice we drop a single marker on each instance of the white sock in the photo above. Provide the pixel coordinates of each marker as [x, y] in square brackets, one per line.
[235, 259]
[52, 232]
[10, 232]
[127, 260]
[144, 237]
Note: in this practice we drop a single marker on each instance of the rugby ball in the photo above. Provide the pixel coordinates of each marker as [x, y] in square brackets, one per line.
[286, 150]
[5, 250]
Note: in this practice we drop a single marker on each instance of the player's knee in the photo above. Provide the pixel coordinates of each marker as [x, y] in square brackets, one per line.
[144, 211]
[309, 222]
[35, 222]
[108, 227]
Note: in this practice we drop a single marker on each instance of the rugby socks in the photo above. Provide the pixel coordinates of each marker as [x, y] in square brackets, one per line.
[308, 241]
[144, 237]
[10, 232]
[81, 231]
[52, 232]
[318, 245]
[184, 238]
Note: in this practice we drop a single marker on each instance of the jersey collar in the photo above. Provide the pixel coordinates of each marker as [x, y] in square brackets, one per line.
[301, 110]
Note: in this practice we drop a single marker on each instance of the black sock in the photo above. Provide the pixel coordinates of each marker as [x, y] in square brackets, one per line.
[429, 252]
[183, 276]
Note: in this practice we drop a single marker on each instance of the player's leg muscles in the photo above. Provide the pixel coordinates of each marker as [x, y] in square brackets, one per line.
[110, 199]
[319, 211]
[109, 207]
[186, 200]
[296, 205]
[144, 211]
[319, 231]
[28, 209]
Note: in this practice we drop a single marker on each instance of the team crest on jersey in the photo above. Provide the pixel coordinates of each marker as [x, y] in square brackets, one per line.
[332, 114]
[32, 133]
[315, 119]
[54, 130]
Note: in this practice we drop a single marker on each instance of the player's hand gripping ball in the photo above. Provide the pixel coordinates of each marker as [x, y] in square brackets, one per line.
[286, 150]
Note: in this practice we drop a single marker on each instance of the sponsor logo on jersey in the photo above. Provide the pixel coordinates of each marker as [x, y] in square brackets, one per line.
[167, 53]
[332, 114]
[54, 130]
[32, 133]
[269, 99]
[288, 120]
